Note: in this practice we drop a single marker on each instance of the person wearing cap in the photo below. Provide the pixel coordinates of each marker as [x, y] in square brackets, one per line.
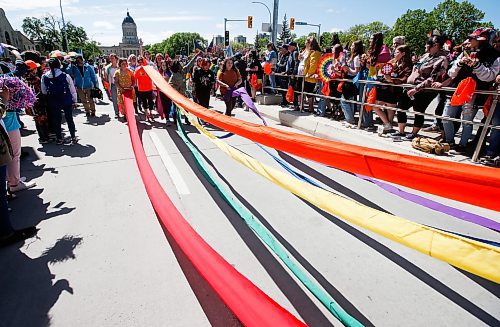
[483, 65]
[85, 80]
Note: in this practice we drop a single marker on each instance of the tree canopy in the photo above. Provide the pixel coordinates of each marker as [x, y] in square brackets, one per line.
[177, 43]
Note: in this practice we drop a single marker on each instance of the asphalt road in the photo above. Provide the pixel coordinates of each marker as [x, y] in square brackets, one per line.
[102, 258]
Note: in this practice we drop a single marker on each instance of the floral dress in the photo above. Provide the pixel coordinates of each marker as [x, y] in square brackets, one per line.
[125, 81]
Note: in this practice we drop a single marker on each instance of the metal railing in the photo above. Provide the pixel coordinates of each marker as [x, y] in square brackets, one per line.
[486, 125]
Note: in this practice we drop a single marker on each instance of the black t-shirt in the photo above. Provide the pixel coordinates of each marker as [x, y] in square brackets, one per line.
[203, 80]
[241, 66]
[260, 71]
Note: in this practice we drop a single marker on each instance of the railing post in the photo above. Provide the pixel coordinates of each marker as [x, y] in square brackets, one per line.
[484, 132]
[362, 108]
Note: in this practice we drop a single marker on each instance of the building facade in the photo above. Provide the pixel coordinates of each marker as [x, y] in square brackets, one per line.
[219, 40]
[10, 36]
[130, 44]
[240, 39]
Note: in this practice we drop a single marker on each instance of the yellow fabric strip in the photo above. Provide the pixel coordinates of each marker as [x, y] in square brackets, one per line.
[475, 257]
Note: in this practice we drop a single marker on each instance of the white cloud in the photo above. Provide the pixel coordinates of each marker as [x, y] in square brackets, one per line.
[34, 4]
[150, 38]
[104, 24]
[171, 18]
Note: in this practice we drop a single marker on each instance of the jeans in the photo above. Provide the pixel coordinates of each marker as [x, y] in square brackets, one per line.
[348, 109]
[5, 226]
[87, 101]
[494, 139]
[114, 98]
[272, 80]
[468, 113]
[322, 103]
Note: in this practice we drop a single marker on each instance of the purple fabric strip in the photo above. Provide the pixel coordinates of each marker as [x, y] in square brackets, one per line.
[241, 92]
[457, 213]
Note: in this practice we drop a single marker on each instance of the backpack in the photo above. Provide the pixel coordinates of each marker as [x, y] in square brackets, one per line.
[429, 145]
[58, 92]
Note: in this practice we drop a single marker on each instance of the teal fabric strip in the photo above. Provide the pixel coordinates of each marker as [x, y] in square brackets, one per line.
[266, 236]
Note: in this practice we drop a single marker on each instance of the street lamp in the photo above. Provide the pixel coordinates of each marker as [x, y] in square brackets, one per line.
[269, 10]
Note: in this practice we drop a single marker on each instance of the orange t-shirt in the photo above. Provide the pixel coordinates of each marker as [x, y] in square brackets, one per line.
[230, 77]
[144, 82]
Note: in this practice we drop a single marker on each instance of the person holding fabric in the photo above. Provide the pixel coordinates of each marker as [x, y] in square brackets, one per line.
[483, 66]
[144, 89]
[125, 82]
[61, 96]
[310, 70]
[85, 80]
[228, 78]
[271, 58]
[430, 68]
[109, 76]
[349, 90]
[178, 80]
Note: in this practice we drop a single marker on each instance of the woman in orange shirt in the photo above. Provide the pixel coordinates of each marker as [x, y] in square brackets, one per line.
[228, 78]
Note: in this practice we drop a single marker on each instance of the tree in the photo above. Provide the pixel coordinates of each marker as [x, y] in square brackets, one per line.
[285, 35]
[91, 49]
[457, 19]
[256, 40]
[363, 32]
[180, 42]
[414, 25]
[325, 39]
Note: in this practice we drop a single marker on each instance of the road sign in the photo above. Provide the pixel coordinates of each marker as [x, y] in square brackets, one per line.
[300, 23]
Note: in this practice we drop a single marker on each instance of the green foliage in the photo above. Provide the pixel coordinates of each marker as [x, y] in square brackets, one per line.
[457, 19]
[285, 36]
[178, 43]
[261, 45]
[301, 41]
[414, 25]
[91, 49]
[363, 32]
[239, 46]
[325, 39]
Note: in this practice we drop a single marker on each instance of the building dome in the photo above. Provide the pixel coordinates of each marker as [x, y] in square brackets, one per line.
[128, 19]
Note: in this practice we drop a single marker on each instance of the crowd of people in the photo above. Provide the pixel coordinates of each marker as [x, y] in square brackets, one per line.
[383, 77]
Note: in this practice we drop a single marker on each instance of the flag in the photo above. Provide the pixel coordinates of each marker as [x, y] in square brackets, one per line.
[229, 52]
[198, 46]
[210, 47]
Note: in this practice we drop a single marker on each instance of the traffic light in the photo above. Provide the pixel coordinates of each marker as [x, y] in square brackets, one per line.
[226, 39]
[292, 24]
[250, 19]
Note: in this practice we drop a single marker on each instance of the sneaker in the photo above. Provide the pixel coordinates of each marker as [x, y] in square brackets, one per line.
[117, 116]
[410, 136]
[87, 114]
[59, 141]
[43, 141]
[370, 129]
[74, 140]
[398, 134]
[21, 186]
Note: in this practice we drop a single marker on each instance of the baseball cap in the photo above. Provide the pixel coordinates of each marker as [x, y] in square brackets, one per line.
[480, 34]
[284, 46]
[292, 44]
[31, 64]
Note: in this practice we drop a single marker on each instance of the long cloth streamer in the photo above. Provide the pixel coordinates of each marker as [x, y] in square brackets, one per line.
[306, 179]
[243, 94]
[428, 203]
[250, 305]
[469, 255]
[263, 233]
[471, 184]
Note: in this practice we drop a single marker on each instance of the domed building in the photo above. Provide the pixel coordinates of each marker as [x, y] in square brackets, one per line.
[130, 43]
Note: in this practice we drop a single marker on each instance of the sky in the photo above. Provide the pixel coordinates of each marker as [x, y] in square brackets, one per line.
[158, 19]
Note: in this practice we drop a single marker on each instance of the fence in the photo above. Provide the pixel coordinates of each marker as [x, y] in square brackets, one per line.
[483, 132]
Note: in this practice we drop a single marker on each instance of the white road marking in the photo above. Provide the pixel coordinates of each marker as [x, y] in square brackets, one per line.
[174, 173]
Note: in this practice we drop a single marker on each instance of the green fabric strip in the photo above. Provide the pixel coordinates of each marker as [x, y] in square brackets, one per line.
[266, 236]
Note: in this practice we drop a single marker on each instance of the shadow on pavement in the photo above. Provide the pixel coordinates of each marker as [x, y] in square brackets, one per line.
[98, 120]
[306, 308]
[413, 269]
[71, 150]
[29, 289]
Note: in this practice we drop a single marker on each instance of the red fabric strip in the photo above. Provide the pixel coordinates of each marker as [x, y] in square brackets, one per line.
[252, 306]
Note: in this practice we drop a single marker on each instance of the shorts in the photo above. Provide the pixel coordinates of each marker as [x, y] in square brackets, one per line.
[309, 87]
[389, 94]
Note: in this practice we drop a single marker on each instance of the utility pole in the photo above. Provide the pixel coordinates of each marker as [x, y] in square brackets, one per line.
[64, 28]
[274, 30]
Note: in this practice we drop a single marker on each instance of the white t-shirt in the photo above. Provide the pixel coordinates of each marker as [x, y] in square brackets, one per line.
[354, 64]
[302, 63]
[111, 75]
